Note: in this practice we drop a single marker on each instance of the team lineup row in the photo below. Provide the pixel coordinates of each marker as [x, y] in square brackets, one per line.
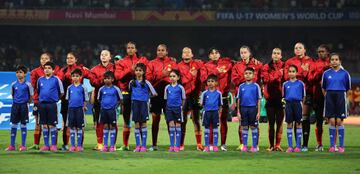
[178, 89]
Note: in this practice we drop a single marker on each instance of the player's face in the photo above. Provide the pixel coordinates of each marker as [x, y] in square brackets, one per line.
[75, 78]
[20, 74]
[105, 56]
[44, 58]
[139, 72]
[292, 72]
[214, 55]
[161, 51]
[108, 81]
[211, 83]
[335, 61]
[130, 49]
[299, 49]
[70, 59]
[322, 53]
[174, 77]
[48, 71]
[276, 55]
[244, 53]
[249, 75]
[187, 55]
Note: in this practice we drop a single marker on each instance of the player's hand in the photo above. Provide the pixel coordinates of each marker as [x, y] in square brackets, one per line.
[258, 116]
[238, 115]
[85, 108]
[193, 71]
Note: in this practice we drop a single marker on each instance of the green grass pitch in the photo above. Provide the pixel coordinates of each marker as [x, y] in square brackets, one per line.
[188, 161]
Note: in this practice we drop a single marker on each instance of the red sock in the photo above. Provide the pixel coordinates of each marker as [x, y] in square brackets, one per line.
[240, 134]
[318, 133]
[37, 134]
[155, 129]
[198, 137]
[99, 133]
[126, 134]
[66, 135]
[258, 135]
[116, 133]
[211, 141]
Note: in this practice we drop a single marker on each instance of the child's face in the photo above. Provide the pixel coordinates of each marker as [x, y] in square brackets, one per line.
[211, 83]
[130, 49]
[299, 49]
[249, 75]
[292, 72]
[187, 55]
[174, 77]
[276, 55]
[161, 51]
[108, 81]
[20, 74]
[244, 53]
[335, 61]
[214, 55]
[44, 58]
[70, 59]
[48, 70]
[75, 78]
[139, 72]
[105, 56]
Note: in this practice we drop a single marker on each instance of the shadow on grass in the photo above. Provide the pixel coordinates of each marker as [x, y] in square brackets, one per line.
[352, 153]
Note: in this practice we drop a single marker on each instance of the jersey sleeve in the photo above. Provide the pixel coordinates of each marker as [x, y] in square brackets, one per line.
[31, 88]
[220, 99]
[118, 92]
[86, 96]
[152, 90]
[258, 91]
[347, 81]
[165, 92]
[67, 93]
[183, 93]
[12, 89]
[61, 87]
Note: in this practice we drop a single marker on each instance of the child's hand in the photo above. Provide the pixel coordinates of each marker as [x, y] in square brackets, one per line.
[238, 115]
[85, 108]
[258, 116]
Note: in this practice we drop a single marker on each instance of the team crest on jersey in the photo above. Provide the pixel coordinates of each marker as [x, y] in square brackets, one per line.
[104, 92]
[41, 84]
[288, 87]
[329, 77]
[243, 89]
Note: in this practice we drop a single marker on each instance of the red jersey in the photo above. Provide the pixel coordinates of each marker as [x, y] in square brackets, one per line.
[38, 72]
[301, 74]
[315, 75]
[97, 77]
[124, 72]
[154, 73]
[221, 68]
[273, 76]
[237, 74]
[191, 83]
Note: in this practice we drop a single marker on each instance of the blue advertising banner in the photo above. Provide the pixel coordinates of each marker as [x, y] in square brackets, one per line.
[327, 15]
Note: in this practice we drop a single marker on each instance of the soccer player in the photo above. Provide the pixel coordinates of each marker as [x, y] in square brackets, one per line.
[77, 97]
[211, 100]
[22, 93]
[124, 72]
[140, 90]
[109, 97]
[190, 70]
[273, 76]
[175, 96]
[249, 95]
[320, 65]
[71, 65]
[237, 75]
[50, 90]
[335, 83]
[221, 67]
[294, 94]
[35, 74]
[157, 72]
[97, 81]
[304, 64]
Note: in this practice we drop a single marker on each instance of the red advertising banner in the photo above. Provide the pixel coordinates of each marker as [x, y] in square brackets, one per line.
[89, 15]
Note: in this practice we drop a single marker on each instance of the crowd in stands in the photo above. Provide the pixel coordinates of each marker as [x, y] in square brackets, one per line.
[181, 4]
